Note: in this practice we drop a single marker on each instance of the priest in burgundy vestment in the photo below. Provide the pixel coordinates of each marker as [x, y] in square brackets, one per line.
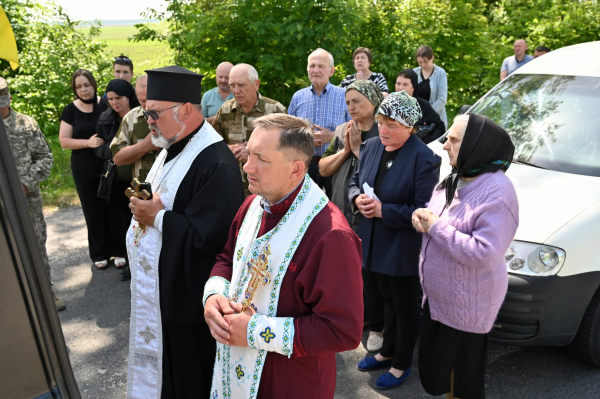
[286, 293]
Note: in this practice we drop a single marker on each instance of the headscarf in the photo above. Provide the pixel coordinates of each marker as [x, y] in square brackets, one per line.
[414, 79]
[486, 148]
[369, 89]
[402, 108]
[123, 88]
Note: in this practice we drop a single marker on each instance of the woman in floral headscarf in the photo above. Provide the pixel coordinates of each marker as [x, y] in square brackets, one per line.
[396, 176]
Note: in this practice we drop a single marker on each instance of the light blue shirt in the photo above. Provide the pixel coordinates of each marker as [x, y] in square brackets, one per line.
[327, 110]
[212, 101]
[510, 64]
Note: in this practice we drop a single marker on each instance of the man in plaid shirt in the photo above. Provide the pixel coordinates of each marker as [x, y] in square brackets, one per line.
[324, 105]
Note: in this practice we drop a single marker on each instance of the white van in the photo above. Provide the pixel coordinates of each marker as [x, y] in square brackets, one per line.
[551, 109]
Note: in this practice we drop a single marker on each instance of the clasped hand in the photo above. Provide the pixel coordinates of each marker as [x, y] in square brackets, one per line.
[423, 219]
[227, 325]
[368, 206]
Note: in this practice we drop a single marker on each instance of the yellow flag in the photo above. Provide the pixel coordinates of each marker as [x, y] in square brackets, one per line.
[8, 44]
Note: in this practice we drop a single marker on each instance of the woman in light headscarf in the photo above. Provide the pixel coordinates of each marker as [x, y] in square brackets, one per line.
[396, 175]
[467, 227]
[363, 98]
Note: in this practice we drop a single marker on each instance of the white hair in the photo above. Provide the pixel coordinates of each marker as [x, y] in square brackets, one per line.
[252, 74]
[324, 51]
[460, 124]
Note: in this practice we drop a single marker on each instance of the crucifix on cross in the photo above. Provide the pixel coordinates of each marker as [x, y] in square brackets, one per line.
[259, 275]
[142, 191]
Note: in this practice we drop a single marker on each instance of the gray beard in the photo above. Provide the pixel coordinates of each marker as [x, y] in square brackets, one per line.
[160, 141]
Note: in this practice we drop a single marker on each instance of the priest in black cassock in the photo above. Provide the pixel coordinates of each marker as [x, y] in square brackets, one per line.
[174, 239]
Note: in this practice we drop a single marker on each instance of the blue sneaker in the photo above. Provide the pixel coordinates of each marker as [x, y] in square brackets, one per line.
[388, 381]
[370, 363]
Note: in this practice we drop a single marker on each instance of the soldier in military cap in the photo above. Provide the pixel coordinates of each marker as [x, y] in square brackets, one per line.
[34, 162]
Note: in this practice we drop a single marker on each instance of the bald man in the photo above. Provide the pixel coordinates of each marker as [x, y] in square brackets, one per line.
[214, 98]
[514, 62]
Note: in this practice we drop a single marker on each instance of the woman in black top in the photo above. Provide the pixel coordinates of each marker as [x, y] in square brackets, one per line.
[78, 133]
[121, 97]
[430, 127]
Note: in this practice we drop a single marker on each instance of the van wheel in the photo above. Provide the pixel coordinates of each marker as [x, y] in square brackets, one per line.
[586, 345]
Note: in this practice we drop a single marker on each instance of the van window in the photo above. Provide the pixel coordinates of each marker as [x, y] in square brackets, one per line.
[554, 121]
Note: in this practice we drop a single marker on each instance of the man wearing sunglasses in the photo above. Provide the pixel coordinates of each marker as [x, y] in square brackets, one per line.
[174, 239]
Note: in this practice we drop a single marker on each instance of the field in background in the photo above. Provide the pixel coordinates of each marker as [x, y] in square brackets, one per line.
[59, 190]
[145, 55]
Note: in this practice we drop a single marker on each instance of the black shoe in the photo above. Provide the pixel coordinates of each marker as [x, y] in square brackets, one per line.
[125, 273]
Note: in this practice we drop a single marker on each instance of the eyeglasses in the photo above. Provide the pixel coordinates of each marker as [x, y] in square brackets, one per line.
[124, 59]
[155, 114]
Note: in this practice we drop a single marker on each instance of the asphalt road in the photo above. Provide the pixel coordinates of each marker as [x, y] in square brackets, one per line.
[96, 328]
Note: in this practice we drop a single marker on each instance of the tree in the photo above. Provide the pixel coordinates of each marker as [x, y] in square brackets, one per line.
[275, 37]
[51, 47]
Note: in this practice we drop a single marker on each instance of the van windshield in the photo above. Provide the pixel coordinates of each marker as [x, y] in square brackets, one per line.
[554, 121]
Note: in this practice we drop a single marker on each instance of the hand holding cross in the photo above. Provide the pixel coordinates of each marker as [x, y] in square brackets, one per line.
[139, 191]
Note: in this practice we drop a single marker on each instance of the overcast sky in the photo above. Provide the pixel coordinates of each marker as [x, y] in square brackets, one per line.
[105, 10]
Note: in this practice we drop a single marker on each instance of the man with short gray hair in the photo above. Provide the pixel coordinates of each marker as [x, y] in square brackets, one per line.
[286, 293]
[34, 162]
[324, 105]
[234, 119]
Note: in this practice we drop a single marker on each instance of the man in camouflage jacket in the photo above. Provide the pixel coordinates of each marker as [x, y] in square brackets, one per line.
[234, 119]
[34, 162]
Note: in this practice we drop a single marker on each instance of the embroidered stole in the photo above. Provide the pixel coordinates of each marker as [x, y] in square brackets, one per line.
[144, 374]
[238, 370]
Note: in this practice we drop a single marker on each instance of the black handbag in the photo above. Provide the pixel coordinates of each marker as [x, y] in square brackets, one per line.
[106, 179]
[424, 130]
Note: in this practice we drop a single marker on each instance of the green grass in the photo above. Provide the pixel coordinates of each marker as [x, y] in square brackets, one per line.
[145, 55]
[59, 191]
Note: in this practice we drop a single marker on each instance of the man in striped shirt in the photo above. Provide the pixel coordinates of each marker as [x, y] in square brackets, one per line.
[324, 105]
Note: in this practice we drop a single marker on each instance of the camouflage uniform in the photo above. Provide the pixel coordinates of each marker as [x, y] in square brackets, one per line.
[34, 162]
[236, 127]
[134, 128]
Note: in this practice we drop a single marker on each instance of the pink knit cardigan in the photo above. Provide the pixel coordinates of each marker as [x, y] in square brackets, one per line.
[462, 267]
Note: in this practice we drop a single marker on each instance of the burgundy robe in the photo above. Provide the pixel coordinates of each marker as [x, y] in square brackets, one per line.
[321, 290]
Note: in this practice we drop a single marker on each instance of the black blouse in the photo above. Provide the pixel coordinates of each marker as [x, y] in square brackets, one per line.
[424, 88]
[84, 124]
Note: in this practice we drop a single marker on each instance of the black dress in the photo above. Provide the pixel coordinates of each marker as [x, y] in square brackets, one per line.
[444, 350]
[194, 233]
[86, 169]
[119, 214]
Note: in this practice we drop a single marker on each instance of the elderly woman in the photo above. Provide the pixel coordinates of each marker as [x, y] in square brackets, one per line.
[363, 98]
[430, 127]
[468, 226]
[121, 98]
[363, 59]
[78, 133]
[433, 82]
[396, 175]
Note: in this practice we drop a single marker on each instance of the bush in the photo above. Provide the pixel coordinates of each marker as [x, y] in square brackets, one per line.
[50, 49]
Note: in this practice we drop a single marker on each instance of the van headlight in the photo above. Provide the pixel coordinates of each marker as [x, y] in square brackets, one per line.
[533, 259]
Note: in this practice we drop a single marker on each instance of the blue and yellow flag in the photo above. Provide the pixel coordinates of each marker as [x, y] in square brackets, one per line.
[8, 44]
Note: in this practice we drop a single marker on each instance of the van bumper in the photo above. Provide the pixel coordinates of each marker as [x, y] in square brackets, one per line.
[544, 310]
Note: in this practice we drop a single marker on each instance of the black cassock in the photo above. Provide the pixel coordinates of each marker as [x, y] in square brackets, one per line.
[194, 233]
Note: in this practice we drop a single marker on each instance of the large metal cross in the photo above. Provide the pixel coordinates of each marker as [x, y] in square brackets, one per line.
[138, 192]
[259, 272]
